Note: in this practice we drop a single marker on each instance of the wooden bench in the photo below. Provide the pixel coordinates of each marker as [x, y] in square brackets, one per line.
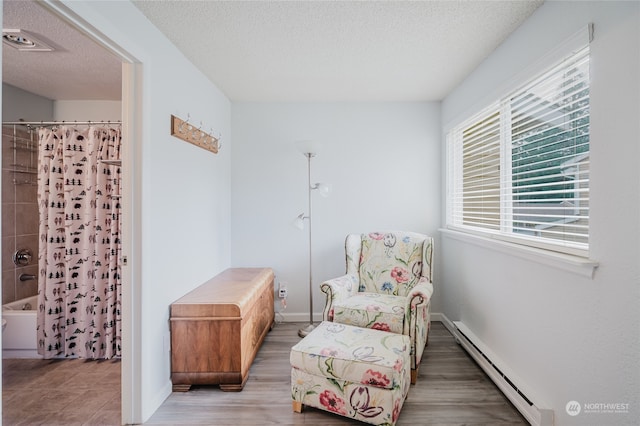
[217, 329]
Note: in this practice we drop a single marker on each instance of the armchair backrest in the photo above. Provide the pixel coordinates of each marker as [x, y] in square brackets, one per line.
[389, 262]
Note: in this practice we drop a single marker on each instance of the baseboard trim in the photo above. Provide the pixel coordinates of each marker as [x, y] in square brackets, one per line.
[304, 317]
[296, 317]
[509, 384]
[156, 400]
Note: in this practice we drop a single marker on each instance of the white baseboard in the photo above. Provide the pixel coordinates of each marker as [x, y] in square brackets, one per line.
[157, 399]
[304, 317]
[296, 317]
[524, 399]
[436, 316]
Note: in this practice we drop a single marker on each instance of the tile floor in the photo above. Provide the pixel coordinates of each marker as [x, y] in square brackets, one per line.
[60, 392]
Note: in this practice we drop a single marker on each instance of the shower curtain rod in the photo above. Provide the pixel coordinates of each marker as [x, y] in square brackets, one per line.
[58, 123]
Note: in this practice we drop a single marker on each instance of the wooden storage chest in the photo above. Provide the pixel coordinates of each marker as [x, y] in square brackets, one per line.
[217, 329]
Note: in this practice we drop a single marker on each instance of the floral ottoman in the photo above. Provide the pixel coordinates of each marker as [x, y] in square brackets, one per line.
[355, 372]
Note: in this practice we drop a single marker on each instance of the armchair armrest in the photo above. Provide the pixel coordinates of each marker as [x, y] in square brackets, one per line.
[337, 289]
[416, 324]
[420, 294]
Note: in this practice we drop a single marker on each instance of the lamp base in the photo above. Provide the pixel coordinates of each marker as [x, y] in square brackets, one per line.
[306, 330]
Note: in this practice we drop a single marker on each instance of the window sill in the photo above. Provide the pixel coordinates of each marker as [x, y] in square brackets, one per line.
[575, 264]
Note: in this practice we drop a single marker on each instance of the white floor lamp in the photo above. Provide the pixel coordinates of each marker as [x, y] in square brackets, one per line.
[309, 149]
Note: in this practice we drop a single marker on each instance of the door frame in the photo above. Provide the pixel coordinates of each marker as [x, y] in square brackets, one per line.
[131, 153]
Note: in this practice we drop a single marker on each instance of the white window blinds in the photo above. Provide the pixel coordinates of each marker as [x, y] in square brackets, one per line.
[520, 168]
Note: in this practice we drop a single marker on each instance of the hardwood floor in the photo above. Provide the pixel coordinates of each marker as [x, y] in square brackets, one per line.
[451, 390]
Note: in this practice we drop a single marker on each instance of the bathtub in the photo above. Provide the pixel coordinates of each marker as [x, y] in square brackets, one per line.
[19, 336]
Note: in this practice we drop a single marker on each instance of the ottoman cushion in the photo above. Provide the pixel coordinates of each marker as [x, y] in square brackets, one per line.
[355, 372]
[354, 354]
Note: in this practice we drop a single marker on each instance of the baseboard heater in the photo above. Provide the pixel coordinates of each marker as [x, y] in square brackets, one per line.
[507, 382]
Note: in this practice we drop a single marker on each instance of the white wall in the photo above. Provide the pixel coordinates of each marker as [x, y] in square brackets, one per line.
[184, 190]
[23, 105]
[382, 159]
[66, 110]
[567, 336]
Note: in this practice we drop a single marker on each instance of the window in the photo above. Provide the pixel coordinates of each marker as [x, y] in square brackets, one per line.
[519, 170]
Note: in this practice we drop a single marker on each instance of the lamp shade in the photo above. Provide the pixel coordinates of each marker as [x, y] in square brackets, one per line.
[299, 221]
[308, 147]
[324, 189]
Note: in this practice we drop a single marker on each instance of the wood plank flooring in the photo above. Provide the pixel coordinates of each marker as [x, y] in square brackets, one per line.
[451, 390]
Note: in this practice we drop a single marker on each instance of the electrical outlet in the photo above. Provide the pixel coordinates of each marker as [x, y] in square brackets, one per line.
[282, 290]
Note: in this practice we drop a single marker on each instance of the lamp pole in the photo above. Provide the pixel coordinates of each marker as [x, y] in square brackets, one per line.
[306, 330]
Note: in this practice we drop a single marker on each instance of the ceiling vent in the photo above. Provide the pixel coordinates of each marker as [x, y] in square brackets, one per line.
[24, 41]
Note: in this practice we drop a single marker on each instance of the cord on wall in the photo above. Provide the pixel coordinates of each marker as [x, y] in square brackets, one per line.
[282, 296]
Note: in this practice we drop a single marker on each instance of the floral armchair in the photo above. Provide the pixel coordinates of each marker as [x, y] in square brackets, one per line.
[388, 286]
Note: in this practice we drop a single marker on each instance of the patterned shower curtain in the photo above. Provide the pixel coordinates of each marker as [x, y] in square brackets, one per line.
[79, 294]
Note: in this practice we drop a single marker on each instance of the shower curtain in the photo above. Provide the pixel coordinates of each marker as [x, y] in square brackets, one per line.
[79, 294]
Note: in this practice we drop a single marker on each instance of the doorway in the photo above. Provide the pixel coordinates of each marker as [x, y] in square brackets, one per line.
[129, 71]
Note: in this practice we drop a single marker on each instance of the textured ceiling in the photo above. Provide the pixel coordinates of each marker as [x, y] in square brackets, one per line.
[282, 50]
[337, 50]
[78, 69]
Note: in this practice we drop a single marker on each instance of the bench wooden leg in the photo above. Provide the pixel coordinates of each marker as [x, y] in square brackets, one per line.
[414, 376]
[181, 388]
[297, 407]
